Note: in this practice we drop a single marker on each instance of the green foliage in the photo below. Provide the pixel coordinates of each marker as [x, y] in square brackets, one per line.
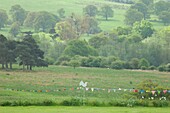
[144, 28]
[134, 62]
[79, 47]
[117, 65]
[74, 63]
[158, 103]
[161, 68]
[143, 62]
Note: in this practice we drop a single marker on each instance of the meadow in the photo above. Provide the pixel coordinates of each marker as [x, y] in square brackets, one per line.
[82, 110]
[57, 84]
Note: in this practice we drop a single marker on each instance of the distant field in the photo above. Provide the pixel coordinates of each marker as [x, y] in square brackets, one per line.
[74, 6]
[60, 83]
[82, 110]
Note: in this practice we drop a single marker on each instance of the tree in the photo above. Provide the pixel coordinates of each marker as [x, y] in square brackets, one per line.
[3, 18]
[144, 28]
[106, 12]
[29, 54]
[10, 58]
[18, 13]
[141, 7]
[61, 13]
[65, 30]
[132, 16]
[79, 47]
[74, 63]
[42, 20]
[143, 62]
[15, 29]
[165, 17]
[90, 25]
[90, 10]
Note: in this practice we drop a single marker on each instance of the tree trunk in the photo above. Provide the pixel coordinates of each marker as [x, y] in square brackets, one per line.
[3, 67]
[6, 65]
[30, 67]
[10, 65]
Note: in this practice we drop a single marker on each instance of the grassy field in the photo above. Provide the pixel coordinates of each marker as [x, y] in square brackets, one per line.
[60, 83]
[82, 110]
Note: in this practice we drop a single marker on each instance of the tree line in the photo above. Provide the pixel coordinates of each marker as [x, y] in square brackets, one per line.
[25, 53]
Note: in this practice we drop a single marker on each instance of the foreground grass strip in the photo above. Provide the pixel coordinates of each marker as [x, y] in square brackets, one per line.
[60, 109]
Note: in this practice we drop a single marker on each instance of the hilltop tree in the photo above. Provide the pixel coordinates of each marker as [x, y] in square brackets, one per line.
[132, 16]
[106, 12]
[3, 18]
[18, 13]
[15, 29]
[41, 20]
[90, 10]
[61, 13]
[161, 6]
[165, 17]
[141, 7]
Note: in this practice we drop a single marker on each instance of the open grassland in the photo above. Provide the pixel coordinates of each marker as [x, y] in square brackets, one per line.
[61, 83]
[82, 110]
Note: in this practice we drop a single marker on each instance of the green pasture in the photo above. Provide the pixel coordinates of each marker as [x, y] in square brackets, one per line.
[60, 83]
[59, 109]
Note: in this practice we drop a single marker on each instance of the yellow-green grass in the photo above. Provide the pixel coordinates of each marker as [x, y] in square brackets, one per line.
[60, 109]
[25, 86]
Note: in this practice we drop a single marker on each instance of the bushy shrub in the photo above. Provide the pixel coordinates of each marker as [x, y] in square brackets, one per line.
[143, 63]
[143, 67]
[117, 65]
[158, 103]
[152, 68]
[134, 63]
[168, 67]
[161, 68]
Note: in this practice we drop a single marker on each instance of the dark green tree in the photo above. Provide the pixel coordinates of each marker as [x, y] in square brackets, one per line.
[106, 12]
[3, 50]
[3, 18]
[29, 53]
[90, 10]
